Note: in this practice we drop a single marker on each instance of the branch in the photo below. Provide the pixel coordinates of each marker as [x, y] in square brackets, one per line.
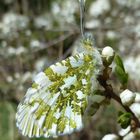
[54, 42]
[111, 94]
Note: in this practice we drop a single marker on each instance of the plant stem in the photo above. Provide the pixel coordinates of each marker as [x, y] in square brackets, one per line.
[117, 98]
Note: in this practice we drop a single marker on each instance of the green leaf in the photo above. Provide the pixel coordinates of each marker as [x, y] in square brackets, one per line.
[120, 113]
[98, 96]
[92, 109]
[98, 92]
[124, 119]
[121, 74]
[119, 62]
[7, 124]
[107, 60]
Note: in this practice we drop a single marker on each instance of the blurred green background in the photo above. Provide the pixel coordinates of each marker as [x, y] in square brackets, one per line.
[37, 33]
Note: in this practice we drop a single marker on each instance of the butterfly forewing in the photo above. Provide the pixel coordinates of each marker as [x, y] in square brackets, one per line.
[55, 103]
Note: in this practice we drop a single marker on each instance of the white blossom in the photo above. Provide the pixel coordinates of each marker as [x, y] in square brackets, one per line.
[127, 97]
[9, 79]
[12, 22]
[93, 24]
[135, 107]
[43, 21]
[16, 51]
[110, 137]
[35, 43]
[132, 66]
[137, 99]
[129, 3]
[64, 11]
[111, 34]
[99, 7]
[130, 136]
[123, 132]
[107, 52]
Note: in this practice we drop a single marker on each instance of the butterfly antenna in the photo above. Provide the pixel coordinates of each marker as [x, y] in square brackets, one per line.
[87, 37]
[82, 16]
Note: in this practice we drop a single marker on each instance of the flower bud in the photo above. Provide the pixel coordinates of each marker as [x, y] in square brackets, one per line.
[135, 107]
[107, 51]
[137, 99]
[110, 137]
[127, 97]
[108, 55]
[125, 131]
[130, 136]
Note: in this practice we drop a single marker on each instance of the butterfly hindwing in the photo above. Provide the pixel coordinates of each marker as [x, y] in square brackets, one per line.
[55, 103]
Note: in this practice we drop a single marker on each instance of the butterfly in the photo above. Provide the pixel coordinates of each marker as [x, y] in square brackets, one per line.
[56, 101]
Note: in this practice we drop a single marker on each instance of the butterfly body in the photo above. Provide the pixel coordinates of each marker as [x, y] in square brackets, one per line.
[55, 103]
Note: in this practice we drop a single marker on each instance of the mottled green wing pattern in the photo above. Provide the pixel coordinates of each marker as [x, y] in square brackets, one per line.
[55, 103]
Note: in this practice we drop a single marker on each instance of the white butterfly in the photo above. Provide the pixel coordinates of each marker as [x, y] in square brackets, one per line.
[56, 102]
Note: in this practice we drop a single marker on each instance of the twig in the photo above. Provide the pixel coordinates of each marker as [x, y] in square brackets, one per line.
[54, 42]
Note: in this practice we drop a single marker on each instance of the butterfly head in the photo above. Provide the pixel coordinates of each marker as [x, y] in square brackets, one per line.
[88, 41]
[88, 45]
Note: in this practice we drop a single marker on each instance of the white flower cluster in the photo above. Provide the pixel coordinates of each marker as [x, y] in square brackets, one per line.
[129, 3]
[16, 51]
[110, 137]
[99, 7]
[127, 97]
[132, 100]
[43, 21]
[61, 12]
[132, 66]
[111, 31]
[34, 43]
[127, 135]
[65, 11]
[12, 22]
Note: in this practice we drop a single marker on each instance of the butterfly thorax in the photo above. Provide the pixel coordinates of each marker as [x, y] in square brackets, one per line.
[89, 47]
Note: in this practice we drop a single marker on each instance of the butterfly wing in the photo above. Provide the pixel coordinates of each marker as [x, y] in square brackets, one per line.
[55, 103]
